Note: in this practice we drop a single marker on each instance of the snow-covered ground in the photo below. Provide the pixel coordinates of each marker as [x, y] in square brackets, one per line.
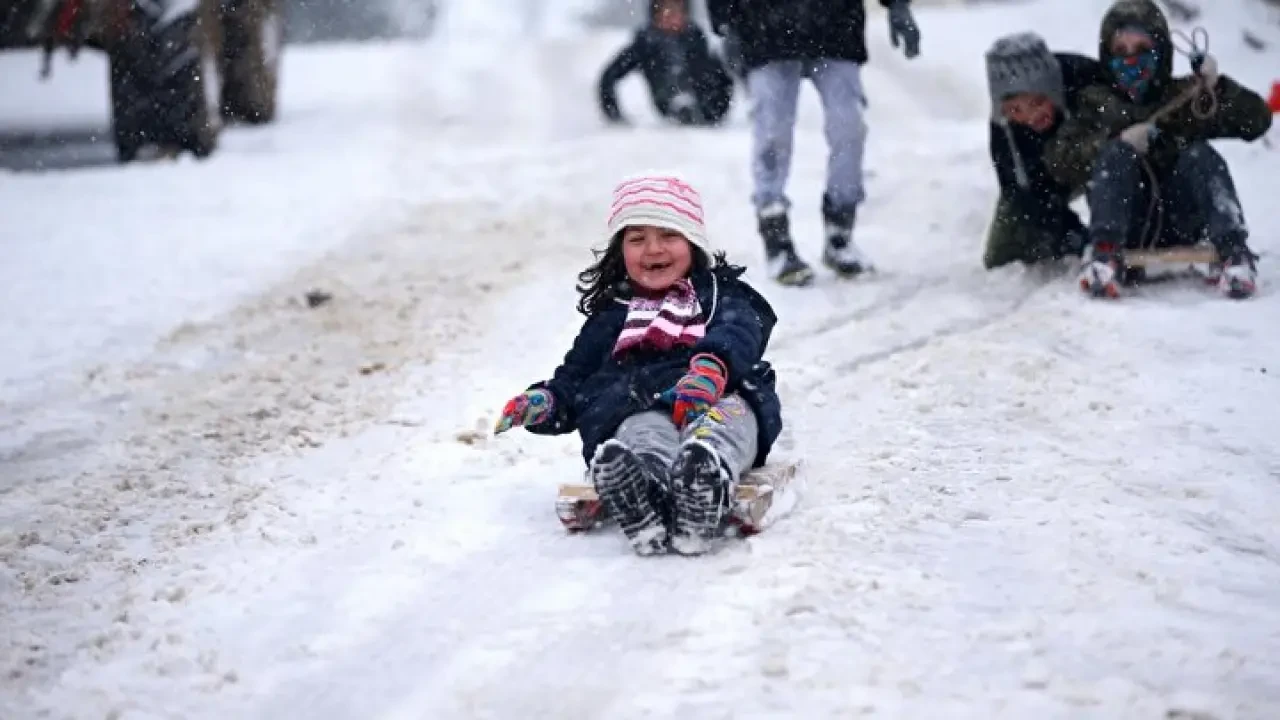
[218, 502]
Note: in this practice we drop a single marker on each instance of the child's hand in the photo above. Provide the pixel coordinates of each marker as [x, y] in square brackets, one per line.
[528, 408]
[698, 390]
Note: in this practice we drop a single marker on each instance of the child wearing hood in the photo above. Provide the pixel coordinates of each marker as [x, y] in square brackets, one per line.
[1156, 182]
[1032, 91]
[687, 82]
[666, 382]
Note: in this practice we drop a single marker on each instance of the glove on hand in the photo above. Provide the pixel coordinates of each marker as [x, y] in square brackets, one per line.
[698, 390]
[528, 408]
[903, 29]
[1206, 66]
[1139, 136]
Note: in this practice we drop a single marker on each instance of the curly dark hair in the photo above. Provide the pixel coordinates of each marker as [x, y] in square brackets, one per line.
[606, 279]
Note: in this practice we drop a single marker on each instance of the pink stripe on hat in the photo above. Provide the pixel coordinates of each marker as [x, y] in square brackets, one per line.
[662, 200]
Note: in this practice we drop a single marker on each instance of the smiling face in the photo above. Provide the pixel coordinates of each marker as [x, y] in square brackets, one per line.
[1034, 110]
[655, 257]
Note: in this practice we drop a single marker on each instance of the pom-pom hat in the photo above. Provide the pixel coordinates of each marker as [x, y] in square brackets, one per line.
[663, 200]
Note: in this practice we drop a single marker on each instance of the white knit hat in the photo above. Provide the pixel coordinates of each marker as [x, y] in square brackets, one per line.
[663, 200]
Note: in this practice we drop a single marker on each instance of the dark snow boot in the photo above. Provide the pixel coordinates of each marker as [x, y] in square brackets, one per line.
[701, 489]
[632, 494]
[841, 253]
[784, 264]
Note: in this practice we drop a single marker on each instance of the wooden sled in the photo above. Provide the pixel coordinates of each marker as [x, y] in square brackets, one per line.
[1145, 267]
[1195, 255]
[579, 508]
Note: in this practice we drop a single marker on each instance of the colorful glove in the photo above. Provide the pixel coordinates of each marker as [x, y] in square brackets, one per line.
[698, 390]
[528, 408]
[903, 29]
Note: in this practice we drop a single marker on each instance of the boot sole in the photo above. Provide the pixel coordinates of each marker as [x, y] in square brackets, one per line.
[796, 278]
[693, 494]
[636, 516]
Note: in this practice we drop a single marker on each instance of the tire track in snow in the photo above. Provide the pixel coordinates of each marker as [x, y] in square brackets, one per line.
[951, 329]
[894, 301]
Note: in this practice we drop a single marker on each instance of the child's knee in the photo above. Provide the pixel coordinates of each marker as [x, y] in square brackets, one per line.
[846, 125]
[1202, 159]
[651, 428]
[1115, 153]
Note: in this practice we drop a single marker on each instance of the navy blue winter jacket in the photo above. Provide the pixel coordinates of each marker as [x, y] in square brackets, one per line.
[594, 392]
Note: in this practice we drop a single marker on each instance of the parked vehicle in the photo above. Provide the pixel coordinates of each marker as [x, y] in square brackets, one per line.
[177, 67]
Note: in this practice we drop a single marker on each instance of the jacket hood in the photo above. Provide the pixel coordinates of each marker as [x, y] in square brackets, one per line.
[1146, 15]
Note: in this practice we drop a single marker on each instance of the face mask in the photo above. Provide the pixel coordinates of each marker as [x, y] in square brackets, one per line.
[1134, 73]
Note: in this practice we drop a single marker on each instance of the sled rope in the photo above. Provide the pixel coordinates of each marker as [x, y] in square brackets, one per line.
[1204, 105]
[1204, 100]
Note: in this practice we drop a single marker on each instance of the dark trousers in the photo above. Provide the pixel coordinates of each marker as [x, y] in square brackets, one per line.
[1194, 201]
[1013, 237]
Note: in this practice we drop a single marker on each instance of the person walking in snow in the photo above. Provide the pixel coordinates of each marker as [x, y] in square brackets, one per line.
[1033, 91]
[1140, 139]
[666, 382]
[781, 42]
[687, 82]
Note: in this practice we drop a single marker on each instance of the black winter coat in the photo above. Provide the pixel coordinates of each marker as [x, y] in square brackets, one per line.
[1041, 201]
[670, 62]
[594, 392]
[771, 30]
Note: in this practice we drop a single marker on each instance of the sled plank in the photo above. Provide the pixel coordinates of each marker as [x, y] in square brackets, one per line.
[1187, 255]
[585, 493]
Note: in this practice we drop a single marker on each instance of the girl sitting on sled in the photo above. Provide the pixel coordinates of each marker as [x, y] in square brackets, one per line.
[666, 381]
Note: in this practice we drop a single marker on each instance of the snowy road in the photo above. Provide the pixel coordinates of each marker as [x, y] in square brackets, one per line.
[217, 502]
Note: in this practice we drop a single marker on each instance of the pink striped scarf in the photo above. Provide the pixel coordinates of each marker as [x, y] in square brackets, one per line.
[662, 323]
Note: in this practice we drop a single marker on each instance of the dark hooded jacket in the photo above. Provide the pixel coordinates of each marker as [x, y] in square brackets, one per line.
[594, 391]
[769, 30]
[670, 62]
[1105, 109]
[1034, 196]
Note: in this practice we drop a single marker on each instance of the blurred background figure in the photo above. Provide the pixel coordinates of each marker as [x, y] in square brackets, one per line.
[688, 83]
[777, 45]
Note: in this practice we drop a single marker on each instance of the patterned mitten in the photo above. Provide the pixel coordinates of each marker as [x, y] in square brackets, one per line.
[530, 407]
[698, 390]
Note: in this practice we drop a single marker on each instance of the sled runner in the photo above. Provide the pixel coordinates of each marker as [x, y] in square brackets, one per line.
[579, 508]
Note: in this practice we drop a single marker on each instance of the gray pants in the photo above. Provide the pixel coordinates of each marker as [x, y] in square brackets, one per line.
[729, 428]
[775, 91]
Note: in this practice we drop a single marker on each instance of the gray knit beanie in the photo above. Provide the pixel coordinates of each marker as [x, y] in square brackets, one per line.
[1022, 63]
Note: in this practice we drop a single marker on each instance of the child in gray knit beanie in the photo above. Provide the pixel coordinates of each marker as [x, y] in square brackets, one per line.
[1020, 71]
[1033, 91]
